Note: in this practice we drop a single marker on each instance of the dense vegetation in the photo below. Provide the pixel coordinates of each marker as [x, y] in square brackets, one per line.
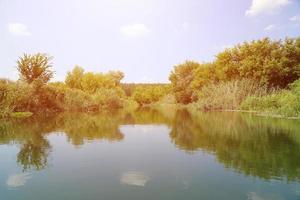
[260, 75]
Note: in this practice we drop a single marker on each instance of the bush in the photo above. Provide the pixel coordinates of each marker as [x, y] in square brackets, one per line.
[14, 97]
[77, 100]
[109, 98]
[130, 104]
[144, 95]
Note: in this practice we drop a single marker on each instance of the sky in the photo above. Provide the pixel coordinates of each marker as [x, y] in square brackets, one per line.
[142, 38]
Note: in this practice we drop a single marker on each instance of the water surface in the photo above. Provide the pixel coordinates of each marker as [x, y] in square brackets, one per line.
[150, 154]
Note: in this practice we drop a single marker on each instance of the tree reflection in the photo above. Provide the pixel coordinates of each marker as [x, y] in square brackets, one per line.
[31, 134]
[84, 127]
[34, 154]
[254, 146]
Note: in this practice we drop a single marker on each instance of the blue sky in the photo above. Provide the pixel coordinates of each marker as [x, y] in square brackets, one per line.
[142, 38]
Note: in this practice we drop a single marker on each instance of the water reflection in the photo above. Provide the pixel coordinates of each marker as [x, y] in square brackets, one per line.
[255, 146]
[17, 180]
[134, 178]
[262, 147]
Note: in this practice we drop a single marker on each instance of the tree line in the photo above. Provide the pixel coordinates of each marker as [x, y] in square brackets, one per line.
[264, 71]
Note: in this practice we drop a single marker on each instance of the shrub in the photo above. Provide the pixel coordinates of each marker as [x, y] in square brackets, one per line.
[149, 94]
[77, 100]
[14, 97]
[109, 98]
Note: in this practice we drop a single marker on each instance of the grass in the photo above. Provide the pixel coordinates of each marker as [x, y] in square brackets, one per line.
[20, 114]
[227, 95]
[248, 96]
[282, 103]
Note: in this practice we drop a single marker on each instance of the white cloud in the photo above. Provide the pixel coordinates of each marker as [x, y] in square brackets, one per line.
[17, 180]
[134, 30]
[18, 29]
[271, 27]
[295, 18]
[265, 6]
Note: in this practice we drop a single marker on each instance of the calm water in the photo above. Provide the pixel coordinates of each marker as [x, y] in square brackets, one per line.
[150, 154]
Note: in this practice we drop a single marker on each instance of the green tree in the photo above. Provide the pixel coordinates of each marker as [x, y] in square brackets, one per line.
[35, 67]
[116, 76]
[74, 78]
[274, 63]
[181, 78]
[203, 75]
[147, 94]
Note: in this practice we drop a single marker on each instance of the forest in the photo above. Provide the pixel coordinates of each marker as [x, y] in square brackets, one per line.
[257, 76]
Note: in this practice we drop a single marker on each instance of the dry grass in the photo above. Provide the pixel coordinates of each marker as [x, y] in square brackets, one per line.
[228, 95]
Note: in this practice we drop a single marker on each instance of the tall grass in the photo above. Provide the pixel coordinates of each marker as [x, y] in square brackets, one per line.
[227, 95]
[284, 102]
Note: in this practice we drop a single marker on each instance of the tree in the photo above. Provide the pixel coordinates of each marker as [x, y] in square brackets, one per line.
[117, 76]
[35, 67]
[74, 78]
[273, 63]
[204, 75]
[149, 93]
[181, 78]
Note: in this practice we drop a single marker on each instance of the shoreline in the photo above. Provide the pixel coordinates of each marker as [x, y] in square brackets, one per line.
[159, 106]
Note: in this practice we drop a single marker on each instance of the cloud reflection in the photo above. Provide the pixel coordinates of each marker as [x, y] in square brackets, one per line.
[17, 180]
[134, 178]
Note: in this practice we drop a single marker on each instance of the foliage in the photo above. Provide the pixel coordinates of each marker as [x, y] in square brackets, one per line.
[241, 77]
[21, 114]
[90, 82]
[77, 100]
[274, 63]
[35, 68]
[181, 78]
[109, 98]
[149, 94]
[73, 79]
[129, 88]
[116, 76]
[12, 95]
[203, 75]
[283, 102]
[266, 64]
[168, 99]
[227, 95]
